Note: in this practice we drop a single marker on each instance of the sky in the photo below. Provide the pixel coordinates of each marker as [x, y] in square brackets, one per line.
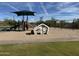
[58, 10]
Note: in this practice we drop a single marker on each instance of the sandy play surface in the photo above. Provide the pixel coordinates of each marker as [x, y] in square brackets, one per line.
[55, 34]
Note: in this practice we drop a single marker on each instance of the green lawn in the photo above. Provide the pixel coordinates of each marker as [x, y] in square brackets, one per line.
[41, 49]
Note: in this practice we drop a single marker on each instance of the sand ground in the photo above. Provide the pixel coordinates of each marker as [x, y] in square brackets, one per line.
[55, 34]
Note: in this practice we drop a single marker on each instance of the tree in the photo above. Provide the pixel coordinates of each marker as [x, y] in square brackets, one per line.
[10, 22]
[75, 24]
[62, 23]
[51, 22]
[40, 21]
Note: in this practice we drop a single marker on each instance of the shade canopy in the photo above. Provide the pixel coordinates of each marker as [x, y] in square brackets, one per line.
[24, 12]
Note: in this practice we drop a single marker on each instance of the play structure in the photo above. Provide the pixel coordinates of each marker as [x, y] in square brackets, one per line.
[17, 27]
[24, 23]
[41, 29]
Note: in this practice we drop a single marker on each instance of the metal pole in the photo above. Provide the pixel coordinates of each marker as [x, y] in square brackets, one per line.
[27, 22]
[23, 24]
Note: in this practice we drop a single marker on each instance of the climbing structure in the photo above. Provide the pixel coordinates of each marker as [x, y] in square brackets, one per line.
[41, 29]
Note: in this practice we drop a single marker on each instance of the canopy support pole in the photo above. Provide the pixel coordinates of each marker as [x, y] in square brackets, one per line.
[27, 22]
[23, 24]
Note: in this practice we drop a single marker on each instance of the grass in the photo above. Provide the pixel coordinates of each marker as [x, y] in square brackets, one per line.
[41, 49]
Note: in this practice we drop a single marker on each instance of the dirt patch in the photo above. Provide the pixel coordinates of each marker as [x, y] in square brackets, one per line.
[55, 34]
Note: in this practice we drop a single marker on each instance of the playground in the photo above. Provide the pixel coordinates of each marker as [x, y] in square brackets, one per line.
[54, 35]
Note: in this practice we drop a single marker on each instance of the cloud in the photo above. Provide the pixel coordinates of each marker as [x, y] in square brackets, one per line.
[43, 7]
[62, 7]
[29, 6]
[57, 5]
[65, 17]
[14, 8]
[69, 8]
[64, 4]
